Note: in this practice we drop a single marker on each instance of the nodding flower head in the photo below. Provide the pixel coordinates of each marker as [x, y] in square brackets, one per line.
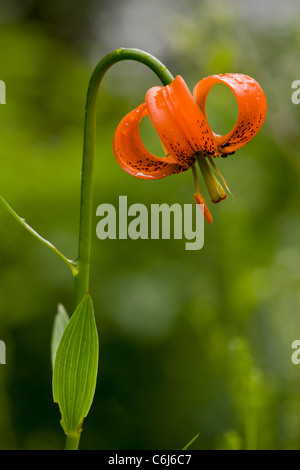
[180, 121]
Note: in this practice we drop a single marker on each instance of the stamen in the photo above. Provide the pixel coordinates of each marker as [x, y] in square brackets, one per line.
[211, 161]
[215, 189]
[195, 178]
[199, 199]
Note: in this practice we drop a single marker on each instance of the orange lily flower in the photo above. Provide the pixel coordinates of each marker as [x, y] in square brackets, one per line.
[180, 120]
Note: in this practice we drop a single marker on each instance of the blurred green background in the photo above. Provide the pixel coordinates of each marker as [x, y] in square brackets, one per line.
[190, 342]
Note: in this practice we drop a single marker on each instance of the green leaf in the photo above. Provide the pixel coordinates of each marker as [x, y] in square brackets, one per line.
[60, 322]
[76, 366]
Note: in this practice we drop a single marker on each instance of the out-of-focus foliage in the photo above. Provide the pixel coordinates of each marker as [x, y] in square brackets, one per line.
[190, 342]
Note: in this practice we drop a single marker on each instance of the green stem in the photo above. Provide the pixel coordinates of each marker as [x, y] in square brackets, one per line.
[72, 442]
[86, 206]
[70, 263]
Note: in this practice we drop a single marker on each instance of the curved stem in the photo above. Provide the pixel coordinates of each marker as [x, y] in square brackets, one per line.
[86, 206]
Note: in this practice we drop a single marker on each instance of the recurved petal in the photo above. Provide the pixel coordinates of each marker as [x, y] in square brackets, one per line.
[131, 154]
[252, 106]
[181, 125]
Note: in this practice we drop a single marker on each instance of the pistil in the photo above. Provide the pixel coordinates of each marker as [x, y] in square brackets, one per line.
[215, 189]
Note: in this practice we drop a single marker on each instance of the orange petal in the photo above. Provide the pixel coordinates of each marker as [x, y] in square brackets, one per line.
[199, 199]
[180, 124]
[131, 154]
[252, 106]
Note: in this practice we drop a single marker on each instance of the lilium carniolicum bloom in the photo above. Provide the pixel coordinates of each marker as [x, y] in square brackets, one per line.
[180, 121]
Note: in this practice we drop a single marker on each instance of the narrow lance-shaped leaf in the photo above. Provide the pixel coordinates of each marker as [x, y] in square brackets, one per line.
[60, 322]
[76, 366]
